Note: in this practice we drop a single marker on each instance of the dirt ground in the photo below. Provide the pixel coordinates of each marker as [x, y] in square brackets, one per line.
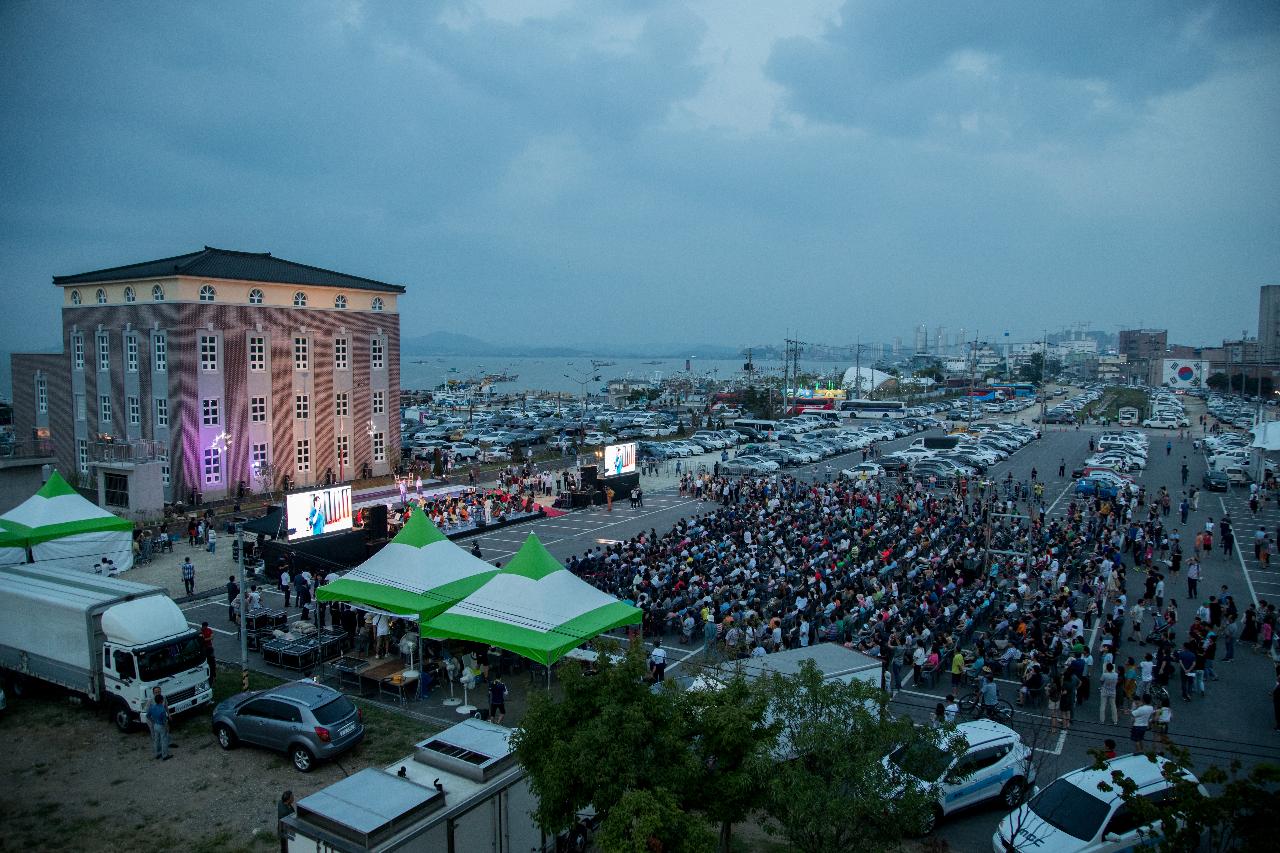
[72, 782]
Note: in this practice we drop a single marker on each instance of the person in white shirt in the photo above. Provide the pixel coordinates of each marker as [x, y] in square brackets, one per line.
[658, 662]
[951, 709]
[1107, 694]
[1142, 715]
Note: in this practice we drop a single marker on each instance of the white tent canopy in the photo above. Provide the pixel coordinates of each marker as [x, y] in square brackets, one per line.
[59, 528]
[1266, 436]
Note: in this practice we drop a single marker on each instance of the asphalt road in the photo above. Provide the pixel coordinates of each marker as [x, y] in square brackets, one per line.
[1233, 722]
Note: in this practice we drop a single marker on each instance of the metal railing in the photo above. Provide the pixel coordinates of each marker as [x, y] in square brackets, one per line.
[31, 449]
[126, 451]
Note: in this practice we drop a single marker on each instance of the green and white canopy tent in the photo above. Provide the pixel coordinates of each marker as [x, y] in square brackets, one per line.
[417, 574]
[57, 527]
[533, 607]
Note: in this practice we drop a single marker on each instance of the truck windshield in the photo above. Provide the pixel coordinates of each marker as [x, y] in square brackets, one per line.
[171, 658]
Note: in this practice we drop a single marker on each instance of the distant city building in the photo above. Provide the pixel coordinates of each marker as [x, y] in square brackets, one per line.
[1143, 350]
[225, 368]
[1269, 321]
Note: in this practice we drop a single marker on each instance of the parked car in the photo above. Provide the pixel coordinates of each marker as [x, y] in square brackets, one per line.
[1074, 815]
[863, 471]
[995, 763]
[307, 721]
[1215, 481]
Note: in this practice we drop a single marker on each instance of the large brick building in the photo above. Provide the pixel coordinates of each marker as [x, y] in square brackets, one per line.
[228, 367]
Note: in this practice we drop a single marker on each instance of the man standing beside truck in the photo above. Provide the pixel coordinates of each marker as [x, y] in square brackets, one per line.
[158, 722]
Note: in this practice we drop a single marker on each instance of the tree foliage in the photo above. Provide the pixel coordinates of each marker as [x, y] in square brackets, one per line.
[1241, 814]
[835, 792]
[652, 822]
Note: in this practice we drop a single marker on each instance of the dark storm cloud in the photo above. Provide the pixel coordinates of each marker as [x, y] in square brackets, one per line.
[689, 171]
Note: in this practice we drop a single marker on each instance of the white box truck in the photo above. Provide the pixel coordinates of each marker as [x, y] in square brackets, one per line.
[103, 638]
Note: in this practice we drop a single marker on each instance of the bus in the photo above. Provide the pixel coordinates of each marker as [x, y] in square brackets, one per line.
[872, 409]
[763, 428]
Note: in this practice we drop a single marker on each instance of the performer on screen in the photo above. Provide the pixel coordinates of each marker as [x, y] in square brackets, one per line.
[315, 518]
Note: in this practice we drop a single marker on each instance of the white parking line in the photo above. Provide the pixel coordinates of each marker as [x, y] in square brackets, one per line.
[1057, 750]
[222, 631]
[1239, 554]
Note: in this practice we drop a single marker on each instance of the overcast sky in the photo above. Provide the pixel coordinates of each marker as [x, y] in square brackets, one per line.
[727, 172]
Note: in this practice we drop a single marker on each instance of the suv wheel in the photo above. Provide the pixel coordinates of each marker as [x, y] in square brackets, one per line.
[303, 760]
[226, 738]
[1014, 792]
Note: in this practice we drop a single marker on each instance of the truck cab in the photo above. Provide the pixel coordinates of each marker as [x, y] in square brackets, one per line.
[146, 643]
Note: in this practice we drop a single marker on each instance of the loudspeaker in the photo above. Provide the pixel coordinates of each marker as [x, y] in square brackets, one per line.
[589, 473]
[375, 521]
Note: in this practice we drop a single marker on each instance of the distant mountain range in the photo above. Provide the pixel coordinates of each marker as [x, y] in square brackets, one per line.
[454, 343]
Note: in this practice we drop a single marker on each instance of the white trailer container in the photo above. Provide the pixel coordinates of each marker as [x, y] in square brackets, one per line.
[106, 639]
[459, 791]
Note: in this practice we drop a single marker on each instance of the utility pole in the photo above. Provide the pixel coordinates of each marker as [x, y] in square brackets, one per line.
[244, 611]
[1044, 364]
[857, 367]
[973, 370]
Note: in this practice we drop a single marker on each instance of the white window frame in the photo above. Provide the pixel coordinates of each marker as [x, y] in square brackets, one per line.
[77, 350]
[42, 395]
[378, 442]
[340, 302]
[208, 293]
[377, 354]
[257, 353]
[378, 402]
[210, 411]
[257, 410]
[258, 458]
[135, 411]
[75, 297]
[301, 407]
[209, 353]
[301, 353]
[82, 455]
[82, 407]
[166, 473]
[131, 353]
[162, 411]
[300, 299]
[104, 409]
[342, 447]
[103, 343]
[302, 455]
[101, 296]
[157, 293]
[160, 349]
[255, 297]
[340, 354]
[377, 303]
[130, 295]
[341, 404]
[212, 466]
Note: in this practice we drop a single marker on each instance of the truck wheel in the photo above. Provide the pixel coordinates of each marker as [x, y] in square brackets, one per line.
[226, 738]
[122, 717]
[302, 759]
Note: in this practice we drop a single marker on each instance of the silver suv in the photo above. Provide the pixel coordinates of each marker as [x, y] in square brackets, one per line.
[305, 720]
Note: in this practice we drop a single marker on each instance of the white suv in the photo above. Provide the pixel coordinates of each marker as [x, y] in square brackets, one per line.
[995, 763]
[1073, 815]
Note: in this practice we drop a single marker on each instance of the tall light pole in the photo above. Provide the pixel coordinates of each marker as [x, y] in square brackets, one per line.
[244, 611]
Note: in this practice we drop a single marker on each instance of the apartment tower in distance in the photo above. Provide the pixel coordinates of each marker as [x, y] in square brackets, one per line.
[221, 371]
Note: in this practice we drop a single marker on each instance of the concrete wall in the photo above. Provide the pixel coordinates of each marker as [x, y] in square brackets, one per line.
[20, 479]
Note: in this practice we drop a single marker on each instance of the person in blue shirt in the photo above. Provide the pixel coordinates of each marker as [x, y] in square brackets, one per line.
[315, 518]
[158, 722]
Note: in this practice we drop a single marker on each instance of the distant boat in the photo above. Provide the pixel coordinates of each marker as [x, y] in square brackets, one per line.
[599, 364]
[501, 377]
[653, 362]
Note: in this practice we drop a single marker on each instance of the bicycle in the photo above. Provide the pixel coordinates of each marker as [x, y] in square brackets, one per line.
[972, 708]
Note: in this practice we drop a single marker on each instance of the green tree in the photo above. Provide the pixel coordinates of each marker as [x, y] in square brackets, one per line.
[1032, 370]
[732, 742]
[603, 736]
[1218, 381]
[1241, 815]
[610, 734]
[653, 822]
[836, 793]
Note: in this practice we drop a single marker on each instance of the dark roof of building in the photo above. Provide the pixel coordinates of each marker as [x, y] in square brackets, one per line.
[226, 264]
